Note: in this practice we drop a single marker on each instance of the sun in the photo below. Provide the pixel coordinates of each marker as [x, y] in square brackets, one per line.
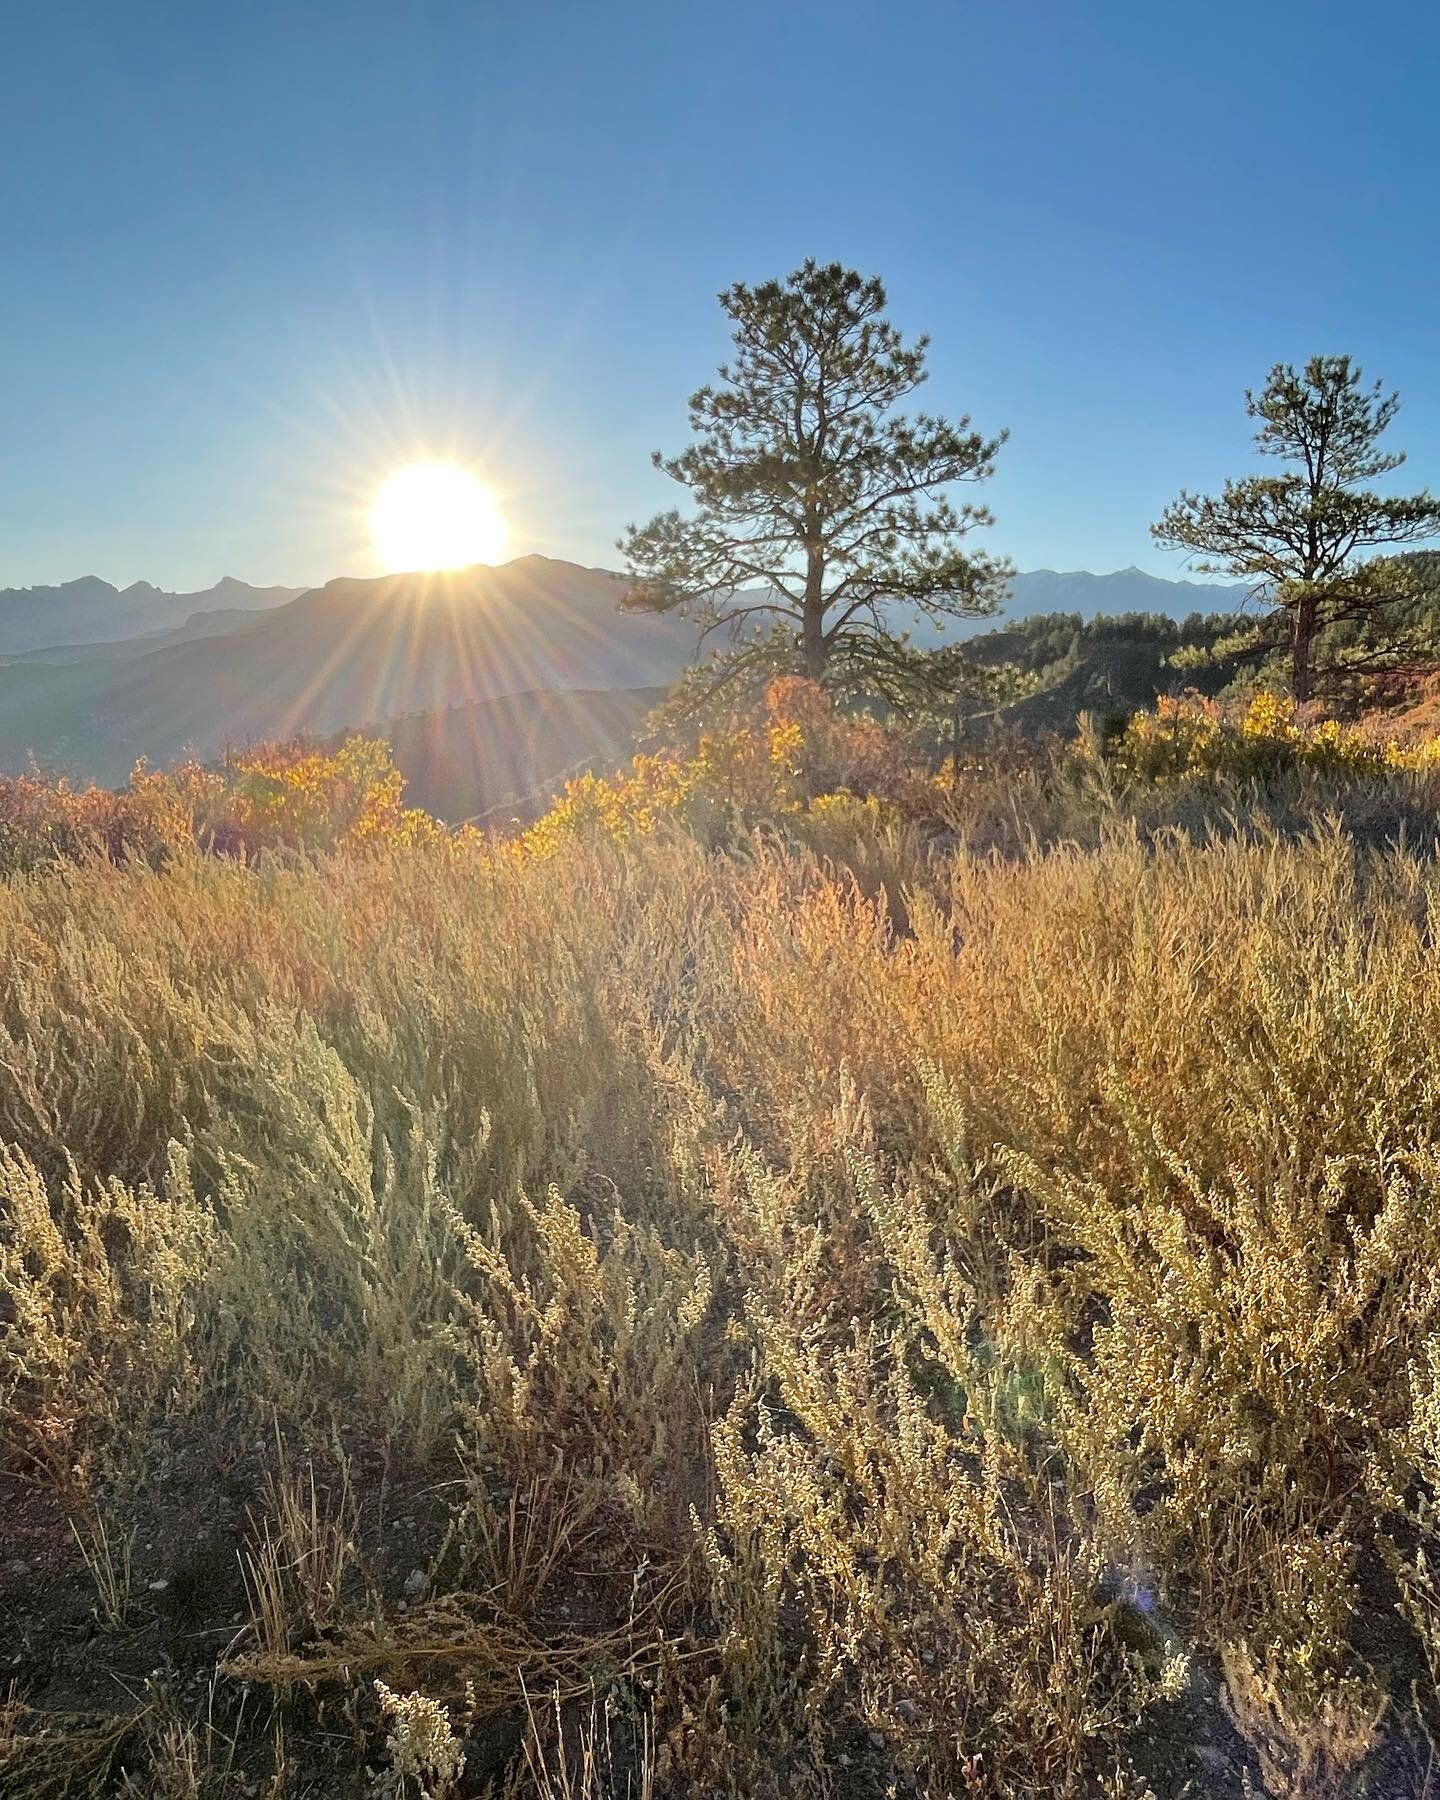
[435, 515]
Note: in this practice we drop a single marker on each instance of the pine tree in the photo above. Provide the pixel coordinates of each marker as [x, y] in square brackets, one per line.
[821, 523]
[1303, 535]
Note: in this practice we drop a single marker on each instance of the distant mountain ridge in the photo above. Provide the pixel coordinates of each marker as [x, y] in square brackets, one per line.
[92, 611]
[1037, 591]
[1122, 591]
[89, 612]
[345, 655]
[195, 679]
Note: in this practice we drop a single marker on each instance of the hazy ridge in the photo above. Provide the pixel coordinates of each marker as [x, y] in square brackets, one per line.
[146, 673]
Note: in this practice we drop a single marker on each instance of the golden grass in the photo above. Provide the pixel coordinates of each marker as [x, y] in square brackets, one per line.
[927, 1300]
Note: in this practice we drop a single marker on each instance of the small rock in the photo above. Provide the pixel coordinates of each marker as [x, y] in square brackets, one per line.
[843, 1760]
[877, 1740]
[158, 1586]
[416, 1583]
[908, 1711]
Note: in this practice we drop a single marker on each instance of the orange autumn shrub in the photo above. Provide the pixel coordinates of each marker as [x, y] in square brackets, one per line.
[46, 819]
[293, 796]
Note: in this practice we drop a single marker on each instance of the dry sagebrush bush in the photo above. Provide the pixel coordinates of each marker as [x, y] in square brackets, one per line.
[889, 1289]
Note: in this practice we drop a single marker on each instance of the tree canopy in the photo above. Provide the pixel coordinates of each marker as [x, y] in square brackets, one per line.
[822, 526]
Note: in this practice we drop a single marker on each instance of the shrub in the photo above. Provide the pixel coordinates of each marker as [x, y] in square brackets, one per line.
[1188, 738]
[838, 1290]
[293, 796]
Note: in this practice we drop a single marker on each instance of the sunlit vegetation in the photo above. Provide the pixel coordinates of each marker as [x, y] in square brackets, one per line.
[296, 796]
[1192, 739]
[813, 1270]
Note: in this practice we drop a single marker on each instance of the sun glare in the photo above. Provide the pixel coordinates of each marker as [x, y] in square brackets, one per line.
[435, 515]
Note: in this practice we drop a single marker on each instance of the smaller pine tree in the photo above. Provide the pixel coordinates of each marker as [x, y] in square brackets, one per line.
[1303, 536]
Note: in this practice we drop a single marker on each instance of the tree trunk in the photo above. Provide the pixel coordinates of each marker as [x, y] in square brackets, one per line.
[1302, 638]
[956, 727]
[815, 650]
[813, 646]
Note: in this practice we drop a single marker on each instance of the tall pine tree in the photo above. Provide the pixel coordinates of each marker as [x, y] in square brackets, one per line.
[822, 524]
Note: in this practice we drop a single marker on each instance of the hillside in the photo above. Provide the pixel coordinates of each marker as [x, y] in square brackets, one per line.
[497, 760]
[1105, 666]
[90, 611]
[356, 652]
[347, 654]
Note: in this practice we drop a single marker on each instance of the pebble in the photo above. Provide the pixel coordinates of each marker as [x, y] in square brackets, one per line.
[416, 1583]
[877, 1740]
[159, 1586]
[908, 1711]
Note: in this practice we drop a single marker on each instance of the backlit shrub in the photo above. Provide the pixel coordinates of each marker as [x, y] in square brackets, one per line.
[855, 1296]
[293, 796]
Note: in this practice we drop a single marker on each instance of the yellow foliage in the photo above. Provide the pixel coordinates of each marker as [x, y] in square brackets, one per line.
[800, 755]
[1187, 738]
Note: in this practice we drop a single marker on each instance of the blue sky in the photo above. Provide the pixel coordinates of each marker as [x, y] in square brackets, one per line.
[252, 257]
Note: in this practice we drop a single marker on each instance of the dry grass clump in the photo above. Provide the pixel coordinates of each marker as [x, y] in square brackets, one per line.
[1314, 1752]
[99, 1288]
[756, 1321]
[65, 1756]
[587, 1763]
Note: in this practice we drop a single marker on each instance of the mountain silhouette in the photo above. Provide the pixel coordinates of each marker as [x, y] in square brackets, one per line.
[345, 655]
[92, 611]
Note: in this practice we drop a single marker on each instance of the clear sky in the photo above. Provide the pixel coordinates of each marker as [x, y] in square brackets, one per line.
[253, 256]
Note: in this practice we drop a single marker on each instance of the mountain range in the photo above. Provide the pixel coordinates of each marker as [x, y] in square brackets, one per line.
[349, 654]
[1131, 590]
[92, 611]
[140, 672]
